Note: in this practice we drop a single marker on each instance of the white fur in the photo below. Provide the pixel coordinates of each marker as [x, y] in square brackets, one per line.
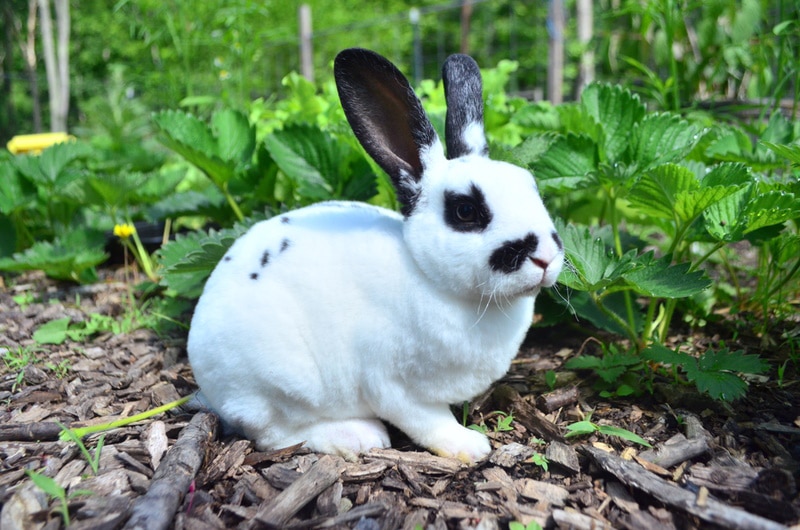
[359, 314]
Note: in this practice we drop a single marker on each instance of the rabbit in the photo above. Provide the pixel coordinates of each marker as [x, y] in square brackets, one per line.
[321, 324]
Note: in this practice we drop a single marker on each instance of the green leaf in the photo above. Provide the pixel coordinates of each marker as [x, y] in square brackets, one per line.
[657, 192]
[734, 361]
[747, 210]
[661, 354]
[53, 332]
[47, 485]
[593, 266]
[617, 110]
[189, 259]
[50, 168]
[673, 192]
[15, 193]
[568, 164]
[610, 430]
[72, 257]
[662, 138]
[305, 155]
[580, 428]
[711, 373]
[236, 138]
[789, 152]
[659, 278]
[719, 385]
[194, 141]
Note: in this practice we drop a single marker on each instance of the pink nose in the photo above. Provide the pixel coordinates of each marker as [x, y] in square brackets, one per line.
[540, 263]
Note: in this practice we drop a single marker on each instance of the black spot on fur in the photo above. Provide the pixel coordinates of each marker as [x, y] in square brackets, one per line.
[559, 243]
[227, 258]
[285, 220]
[285, 244]
[467, 212]
[253, 275]
[512, 254]
[265, 258]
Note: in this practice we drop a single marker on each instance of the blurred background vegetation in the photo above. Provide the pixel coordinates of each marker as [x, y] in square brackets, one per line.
[130, 57]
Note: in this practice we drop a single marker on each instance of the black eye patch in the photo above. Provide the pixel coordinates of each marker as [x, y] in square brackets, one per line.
[467, 212]
[512, 254]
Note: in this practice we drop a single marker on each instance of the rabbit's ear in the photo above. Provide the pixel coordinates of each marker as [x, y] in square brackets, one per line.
[464, 132]
[387, 118]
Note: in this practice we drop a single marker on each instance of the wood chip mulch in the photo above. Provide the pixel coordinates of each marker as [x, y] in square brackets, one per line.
[712, 465]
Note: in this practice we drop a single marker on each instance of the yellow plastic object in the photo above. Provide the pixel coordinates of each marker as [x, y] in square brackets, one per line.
[36, 143]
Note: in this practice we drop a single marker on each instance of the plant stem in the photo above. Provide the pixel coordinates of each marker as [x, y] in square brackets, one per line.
[80, 432]
[232, 203]
[612, 213]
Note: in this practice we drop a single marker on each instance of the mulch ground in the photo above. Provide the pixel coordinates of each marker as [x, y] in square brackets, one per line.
[713, 465]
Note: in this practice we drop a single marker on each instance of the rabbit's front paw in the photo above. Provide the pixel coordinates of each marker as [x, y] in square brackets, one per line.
[465, 444]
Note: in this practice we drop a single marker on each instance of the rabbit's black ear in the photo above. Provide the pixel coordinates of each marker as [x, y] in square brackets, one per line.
[463, 88]
[386, 117]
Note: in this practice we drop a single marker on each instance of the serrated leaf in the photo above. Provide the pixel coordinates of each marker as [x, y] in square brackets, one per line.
[72, 257]
[50, 167]
[583, 362]
[662, 138]
[15, 192]
[727, 174]
[661, 354]
[193, 140]
[568, 164]
[236, 138]
[302, 153]
[617, 110]
[593, 266]
[722, 219]
[673, 192]
[734, 361]
[789, 152]
[659, 278]
[718, 385]
[656, 193]
[188, 260]
[745, 211]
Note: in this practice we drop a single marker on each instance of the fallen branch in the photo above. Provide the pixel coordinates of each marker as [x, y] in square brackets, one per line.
[709, 510]
[30, 432]
[156, 509]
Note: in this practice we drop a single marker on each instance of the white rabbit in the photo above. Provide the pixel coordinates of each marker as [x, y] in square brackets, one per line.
[320, 323]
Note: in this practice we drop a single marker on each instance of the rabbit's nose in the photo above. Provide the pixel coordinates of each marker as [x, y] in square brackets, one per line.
[539, 262]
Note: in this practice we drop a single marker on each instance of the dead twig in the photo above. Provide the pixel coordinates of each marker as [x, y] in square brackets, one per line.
[156, 509]
[709, 510]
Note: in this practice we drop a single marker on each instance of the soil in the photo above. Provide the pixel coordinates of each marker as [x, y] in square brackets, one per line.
[713, 464]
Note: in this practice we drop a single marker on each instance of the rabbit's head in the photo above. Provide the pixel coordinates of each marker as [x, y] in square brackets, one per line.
[474, 225]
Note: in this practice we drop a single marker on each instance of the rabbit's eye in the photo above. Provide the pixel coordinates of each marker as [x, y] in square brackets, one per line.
[466, 212]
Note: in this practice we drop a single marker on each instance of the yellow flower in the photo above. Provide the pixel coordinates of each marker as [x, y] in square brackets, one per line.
[124, 231]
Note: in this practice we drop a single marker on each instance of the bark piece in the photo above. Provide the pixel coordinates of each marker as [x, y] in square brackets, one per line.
[542, 491]
[526, 413]
[712, 511]
[558, 398]
[227, 462]
[425, 463]
[29, 432]
[564, 455]
[156, 509]
[511, 454]
[320, 477]
[571, 520]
